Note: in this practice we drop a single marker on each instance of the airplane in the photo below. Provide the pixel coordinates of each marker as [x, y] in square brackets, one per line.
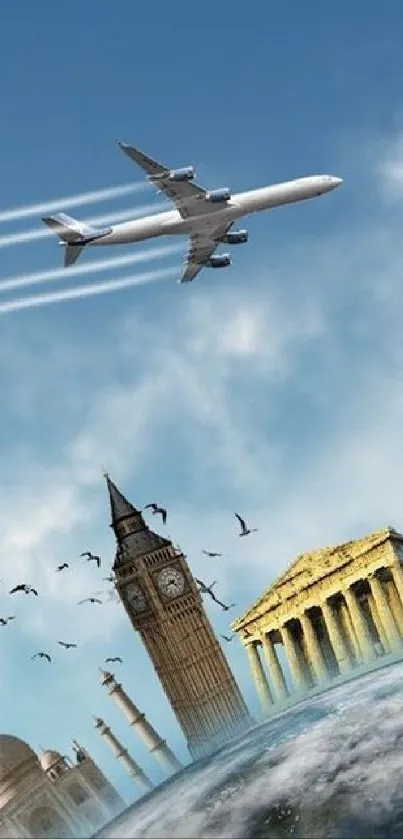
[206, 216]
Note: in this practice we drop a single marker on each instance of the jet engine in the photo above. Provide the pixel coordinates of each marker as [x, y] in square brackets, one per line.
[217, 196]
[219, 261]
[236, 237]
[186, 174]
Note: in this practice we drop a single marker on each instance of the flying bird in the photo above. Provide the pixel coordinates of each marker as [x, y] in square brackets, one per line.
[156, 509]
[62, 567]
[89, 600]
[226, 608]
[245, 530]
[25, 588]
[4, 621]
[116, 658]
[89, 556]
[206, 589]
[211, 553]
[43, 655]
[227, 638]
[21, 587]
[66, 645]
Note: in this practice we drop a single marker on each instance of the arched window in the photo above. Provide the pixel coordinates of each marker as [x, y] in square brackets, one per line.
[77, 793]
[47, 823]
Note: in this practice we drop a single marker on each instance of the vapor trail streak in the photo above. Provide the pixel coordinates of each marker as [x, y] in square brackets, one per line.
[38, 300]
[77, 200]
[11, 283]
[111, 218]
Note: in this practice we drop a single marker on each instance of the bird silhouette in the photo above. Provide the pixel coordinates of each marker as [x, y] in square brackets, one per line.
[206, 589]
[157, 509]
[116, 658]
[89, 556]
[4, 621]
[67, 645]
[226, 608]
[109, 579]
[227, 638]
[43, 655]
[211, 553]
[245, 530]
[89, 600]
[25, 588]
[62, 567]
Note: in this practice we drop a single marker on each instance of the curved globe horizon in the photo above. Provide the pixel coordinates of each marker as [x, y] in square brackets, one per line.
[330, 765]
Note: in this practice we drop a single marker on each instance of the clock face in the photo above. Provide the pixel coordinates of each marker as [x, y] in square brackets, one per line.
[136, 598]
[171, 582]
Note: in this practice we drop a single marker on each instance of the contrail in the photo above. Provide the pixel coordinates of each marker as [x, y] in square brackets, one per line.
[11, 283]
[38, 300]
[111, 218]
[72, 201]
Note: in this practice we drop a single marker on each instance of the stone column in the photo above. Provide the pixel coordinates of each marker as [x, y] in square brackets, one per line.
[385, 614]
[293, 658]
[259, 676]
[140, 724]
[336, 637]
[359, 624]
[132, 768]
[397, 575]
[274, 667]
[349, 631]
[378, 622]
[313, 648]
[396, 605]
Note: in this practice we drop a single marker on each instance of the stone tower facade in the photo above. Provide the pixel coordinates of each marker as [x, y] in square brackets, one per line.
[161, 598]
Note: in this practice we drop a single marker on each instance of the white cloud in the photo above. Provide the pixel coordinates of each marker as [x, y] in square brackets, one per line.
[389, 166]
[279, 399]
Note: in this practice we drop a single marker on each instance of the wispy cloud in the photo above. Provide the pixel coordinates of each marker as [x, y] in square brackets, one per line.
[389, 166]
[277, 398]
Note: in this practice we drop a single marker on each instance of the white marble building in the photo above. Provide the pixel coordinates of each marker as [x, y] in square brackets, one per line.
[51, 795]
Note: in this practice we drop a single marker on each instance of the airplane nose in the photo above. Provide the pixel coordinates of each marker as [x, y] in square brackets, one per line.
[337, 181]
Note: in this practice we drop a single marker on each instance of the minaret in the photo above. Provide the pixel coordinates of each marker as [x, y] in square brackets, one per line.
[139, 722]
[123, 755]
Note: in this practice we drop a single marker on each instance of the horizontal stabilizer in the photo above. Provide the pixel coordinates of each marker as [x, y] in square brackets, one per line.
[75, 235]
[70, 230]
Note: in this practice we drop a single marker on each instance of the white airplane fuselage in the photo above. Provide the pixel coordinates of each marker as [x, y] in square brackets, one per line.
[241, 204]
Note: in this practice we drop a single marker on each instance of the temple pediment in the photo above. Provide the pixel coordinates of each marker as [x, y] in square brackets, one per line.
[309, 568]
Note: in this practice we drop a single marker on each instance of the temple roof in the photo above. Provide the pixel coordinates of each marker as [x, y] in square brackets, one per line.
[310, 565]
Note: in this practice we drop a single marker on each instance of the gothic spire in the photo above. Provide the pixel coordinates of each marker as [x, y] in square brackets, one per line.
[120, 506]
[133, 536]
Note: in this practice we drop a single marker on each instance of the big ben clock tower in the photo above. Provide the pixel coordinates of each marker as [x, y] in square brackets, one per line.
[160, 596]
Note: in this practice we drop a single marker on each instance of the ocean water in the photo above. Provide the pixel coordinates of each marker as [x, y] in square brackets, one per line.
[331, 766]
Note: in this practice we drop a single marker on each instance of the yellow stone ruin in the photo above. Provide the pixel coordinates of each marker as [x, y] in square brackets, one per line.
[332, 610]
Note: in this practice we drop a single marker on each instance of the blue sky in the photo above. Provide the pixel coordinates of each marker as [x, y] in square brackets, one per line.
[272, 388]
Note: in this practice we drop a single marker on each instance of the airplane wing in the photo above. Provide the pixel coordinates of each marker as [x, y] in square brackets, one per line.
[185, 194]
[202, 247]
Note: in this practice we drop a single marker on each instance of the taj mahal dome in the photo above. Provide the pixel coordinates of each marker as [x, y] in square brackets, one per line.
[51, 795]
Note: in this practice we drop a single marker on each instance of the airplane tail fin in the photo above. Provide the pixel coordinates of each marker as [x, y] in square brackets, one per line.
[73, 234]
